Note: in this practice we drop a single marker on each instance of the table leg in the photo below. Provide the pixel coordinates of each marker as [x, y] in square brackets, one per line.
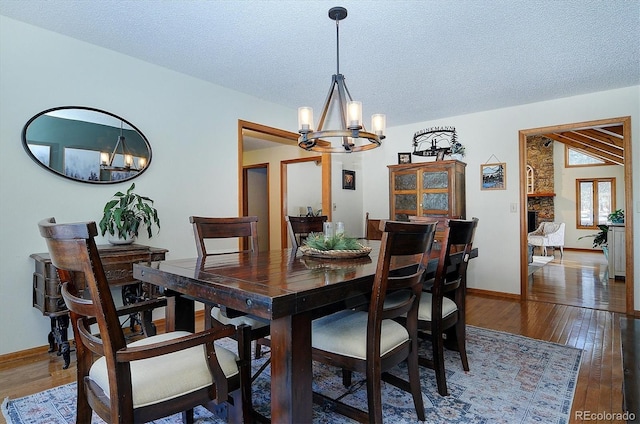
[179, 313]
[291, 370]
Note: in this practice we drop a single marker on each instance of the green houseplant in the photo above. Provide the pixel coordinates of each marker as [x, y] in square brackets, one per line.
[126, 214]
[600, 238]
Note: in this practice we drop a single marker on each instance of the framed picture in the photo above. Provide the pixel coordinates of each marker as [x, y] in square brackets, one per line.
[440, 155]
[348, 180]
[493, 176]
[404, 158]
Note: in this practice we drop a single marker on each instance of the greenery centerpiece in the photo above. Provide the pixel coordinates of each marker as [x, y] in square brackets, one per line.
[337, 246]
[126, 214]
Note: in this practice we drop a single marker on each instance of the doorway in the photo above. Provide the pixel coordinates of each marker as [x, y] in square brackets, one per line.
[263, 147]
[625, 122]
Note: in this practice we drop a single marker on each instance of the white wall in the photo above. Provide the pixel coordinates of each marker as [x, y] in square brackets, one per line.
[495, 133]
[191, 126]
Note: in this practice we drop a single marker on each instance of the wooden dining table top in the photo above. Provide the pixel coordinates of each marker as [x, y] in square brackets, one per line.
[269, 284]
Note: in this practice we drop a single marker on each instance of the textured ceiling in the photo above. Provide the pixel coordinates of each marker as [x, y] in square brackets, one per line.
[413, 60]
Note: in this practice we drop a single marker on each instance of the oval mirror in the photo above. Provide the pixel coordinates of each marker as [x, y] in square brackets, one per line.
[87, 145]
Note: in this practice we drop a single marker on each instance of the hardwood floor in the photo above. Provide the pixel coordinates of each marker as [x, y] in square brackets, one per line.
[576, 322]
[579, 278]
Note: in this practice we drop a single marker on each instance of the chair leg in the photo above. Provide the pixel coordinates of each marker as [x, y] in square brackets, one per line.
[84, 411]
[414, 380]
[438, 362]
[346, 377]
[462, 345]
[187, 416]
[374, 396]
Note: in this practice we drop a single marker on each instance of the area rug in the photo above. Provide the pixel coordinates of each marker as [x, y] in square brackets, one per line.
[513, 379]
[538, 263]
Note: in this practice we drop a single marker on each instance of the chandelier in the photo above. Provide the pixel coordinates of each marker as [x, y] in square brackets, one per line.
[128, 163]
[353, 135]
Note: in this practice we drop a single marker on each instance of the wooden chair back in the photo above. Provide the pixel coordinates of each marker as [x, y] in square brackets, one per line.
[372, 228]
[245, 228]
[300, 226]
[454, 254]
[399, 239]
[72, 248]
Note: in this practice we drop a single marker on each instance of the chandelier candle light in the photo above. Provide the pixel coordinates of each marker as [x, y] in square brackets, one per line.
[353, 134]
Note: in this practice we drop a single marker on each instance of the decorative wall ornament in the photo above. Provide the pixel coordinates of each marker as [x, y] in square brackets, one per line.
[436, 141]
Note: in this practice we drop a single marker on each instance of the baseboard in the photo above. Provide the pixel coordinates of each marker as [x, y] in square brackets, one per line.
[482, 292]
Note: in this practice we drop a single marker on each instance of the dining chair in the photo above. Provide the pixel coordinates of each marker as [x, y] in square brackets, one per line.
[371, 341]
[299, 227]
[150, 378]
[245, 229]
[442, 304]
[372, 228]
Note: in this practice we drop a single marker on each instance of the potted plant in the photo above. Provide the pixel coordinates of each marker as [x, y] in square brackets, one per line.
[616, 217]
[125, 214]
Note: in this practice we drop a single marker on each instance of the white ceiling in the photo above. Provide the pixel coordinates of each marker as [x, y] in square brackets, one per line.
[413, 60]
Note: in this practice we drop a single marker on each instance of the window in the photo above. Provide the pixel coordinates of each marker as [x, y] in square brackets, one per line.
[595, 201]
[579, 158]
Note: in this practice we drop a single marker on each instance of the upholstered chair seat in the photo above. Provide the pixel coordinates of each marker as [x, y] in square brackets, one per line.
[345, 333]
[183, 372]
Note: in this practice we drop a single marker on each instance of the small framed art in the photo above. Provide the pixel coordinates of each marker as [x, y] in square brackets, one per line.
[493, 176]
[348, 180]
[404, 158]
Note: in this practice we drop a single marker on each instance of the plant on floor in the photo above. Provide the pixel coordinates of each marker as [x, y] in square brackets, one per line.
[127, 213]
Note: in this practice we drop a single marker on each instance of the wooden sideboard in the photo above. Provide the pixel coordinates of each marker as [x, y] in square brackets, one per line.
[429, 189]
[117, 261]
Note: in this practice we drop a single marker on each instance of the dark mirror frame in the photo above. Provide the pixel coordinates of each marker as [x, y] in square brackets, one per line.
[94, 138]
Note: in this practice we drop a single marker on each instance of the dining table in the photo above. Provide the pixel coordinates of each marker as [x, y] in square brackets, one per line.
[287, 289]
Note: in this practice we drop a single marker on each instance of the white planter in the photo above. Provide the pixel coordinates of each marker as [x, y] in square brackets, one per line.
[456, 156]
[114, 239]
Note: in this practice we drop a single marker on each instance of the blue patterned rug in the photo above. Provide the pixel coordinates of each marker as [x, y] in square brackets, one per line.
[513, 379]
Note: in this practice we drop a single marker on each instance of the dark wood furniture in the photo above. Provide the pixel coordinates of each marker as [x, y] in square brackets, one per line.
[431, 189]
[372, 228]
[371, 342]
[278, 286]
[442, 306]
[245, 229]
[300, 226]
[118, 263]
[139, 382]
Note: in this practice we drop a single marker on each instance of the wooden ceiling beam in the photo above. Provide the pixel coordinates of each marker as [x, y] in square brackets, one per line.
[603, 137]
[586, 146]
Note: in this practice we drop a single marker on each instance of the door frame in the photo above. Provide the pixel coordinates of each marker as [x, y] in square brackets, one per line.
[628, 198]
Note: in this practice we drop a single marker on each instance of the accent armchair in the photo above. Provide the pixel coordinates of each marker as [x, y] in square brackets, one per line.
[548, 234]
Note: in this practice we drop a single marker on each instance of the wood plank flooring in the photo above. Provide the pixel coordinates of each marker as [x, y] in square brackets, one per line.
[597, 332]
